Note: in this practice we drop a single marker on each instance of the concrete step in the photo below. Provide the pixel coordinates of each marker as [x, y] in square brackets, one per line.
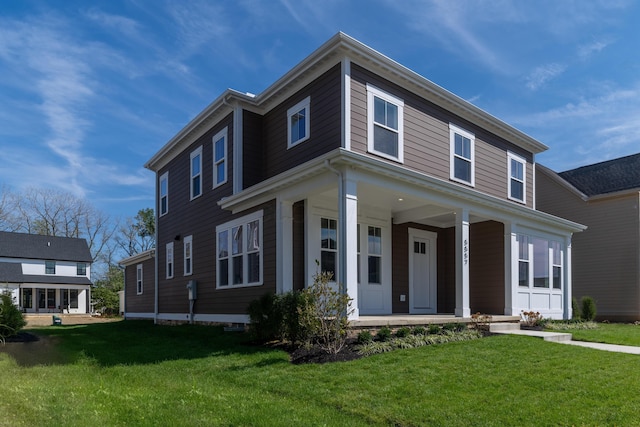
[504, 327]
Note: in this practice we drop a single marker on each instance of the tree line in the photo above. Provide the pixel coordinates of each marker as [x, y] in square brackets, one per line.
[60, 213]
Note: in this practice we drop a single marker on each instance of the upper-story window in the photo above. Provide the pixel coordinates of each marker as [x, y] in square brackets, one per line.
[164, 193]
[298, 122]
[139, 288]
[49, 267]
[169, 266]
[196, 173]
[220, 158]
[239, 253]
[385, 115]
[188, 255]
[462, 165]
[517, 174]
[81, 269]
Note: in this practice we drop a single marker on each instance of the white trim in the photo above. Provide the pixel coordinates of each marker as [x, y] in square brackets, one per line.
[128, 315]
[163, 177]
[512, 156]
[188, 241]
[305, 104]
[223, 134]
[433, 272]
[228, 226]
[346, 103]
[195, 153]
[219, 318]
[453, 130]
[372, 93]
[150, 253]
[167, 259]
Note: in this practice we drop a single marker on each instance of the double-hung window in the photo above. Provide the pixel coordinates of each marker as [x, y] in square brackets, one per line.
[196, 173]
[462, 164]
[523, 260]
[239, 253]
[188, 255]
[169, 266]
[81, 269]
[556, 265]
[139, 288]
[298, 127]
[164, 193]
[517, 173]
[49, 267]
[385, 115]
[374, 248]
[328, 246]
[220, 158]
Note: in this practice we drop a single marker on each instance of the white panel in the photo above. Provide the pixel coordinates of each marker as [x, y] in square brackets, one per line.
[523, 301]
[556, 302]
[540, 301]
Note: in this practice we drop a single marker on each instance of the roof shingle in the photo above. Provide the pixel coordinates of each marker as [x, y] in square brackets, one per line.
[35, 246]
[606, 177]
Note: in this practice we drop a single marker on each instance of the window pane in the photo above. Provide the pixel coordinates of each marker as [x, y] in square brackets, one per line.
[51, 299]
[516, 170]
[462, 169]
[392, 116]
[220, 172]
[237, 241]
[223, 244]
[540, 263]
[328, 262]
[237, 270]
[253, 261]
[163, 187]
[196, 186]
[523, 247]
[223, 274]
[195, 165]
[253, 236]
[50, 267]
[385, 141]
[73, 298]
[81, 269]
[329, 233]
[517, 189]
[298, 125]
[219, 150]
[463, 146]
[163, 205]
[523, 273]
[557, 253]
[557, 277]
[379, 105]
[375, 241]
[374, 269]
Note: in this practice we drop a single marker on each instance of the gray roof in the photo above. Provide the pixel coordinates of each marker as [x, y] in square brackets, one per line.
[35, 246]
[11, 272]
[606, 177]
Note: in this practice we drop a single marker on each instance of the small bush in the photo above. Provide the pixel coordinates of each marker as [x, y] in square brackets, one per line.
[266, 318]
[454, 327]
[434, 329]
[403, 332]
[419, 330]
[365, 337]
[575, 307]
[11, 319]
[531, 318]
[588, 308]
[383, 334]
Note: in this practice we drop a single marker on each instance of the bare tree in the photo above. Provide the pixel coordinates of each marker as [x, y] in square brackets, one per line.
[137, 234]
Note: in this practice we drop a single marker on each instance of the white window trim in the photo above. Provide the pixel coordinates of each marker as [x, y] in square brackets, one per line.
[373, 92]
[304, 104]
[222, 134]
[453, 130]
[258, 215]
[163, 177]
[511, 156]
[170, 260]
[188, 241]
[139, 280]
[194, 153]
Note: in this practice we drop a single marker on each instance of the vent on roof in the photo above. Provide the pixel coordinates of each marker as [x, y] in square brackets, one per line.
[48, 243]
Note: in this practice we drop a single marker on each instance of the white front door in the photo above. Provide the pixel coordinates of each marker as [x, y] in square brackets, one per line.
[422, 272]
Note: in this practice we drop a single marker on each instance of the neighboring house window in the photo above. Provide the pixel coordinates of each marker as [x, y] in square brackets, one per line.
[298, 122]
[81, 269]
[328, 246]
[517, 168]
[73, 298]
[385, 115]
[188, 255]
[139, 279]
[462, 155]
[239, 252]
[196, 173]
[164, 193]
[523, 260]
[27, 297]
[169, 267]
[374, 247]
[556, 265]
[49, 267]
[220, 158]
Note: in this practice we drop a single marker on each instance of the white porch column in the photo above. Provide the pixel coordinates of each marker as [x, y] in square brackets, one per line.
[284, 246]
[348, 249]
[511, 271]
[462, 263]
[568, 309]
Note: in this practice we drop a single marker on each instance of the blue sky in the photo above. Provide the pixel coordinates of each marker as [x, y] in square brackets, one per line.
[90, 90]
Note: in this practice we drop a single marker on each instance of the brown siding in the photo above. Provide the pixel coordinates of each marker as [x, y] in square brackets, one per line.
[145, 302]
[606, 256]
[486, 267]
[325, 119]
[298, 246]
[426, 138]
[252, 157]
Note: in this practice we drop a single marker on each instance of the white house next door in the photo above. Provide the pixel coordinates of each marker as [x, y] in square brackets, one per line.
[422, 272]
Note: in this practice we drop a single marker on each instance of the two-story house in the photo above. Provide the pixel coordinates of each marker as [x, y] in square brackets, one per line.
[417, 201]
[605, 197]
[46, 274]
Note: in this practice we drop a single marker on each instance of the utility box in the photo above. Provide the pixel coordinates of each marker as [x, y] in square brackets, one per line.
[192, 288]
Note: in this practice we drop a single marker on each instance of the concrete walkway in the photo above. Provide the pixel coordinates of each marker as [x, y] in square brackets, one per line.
[562, 338]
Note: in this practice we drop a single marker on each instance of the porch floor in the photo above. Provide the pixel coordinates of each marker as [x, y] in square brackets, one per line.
[421, 319]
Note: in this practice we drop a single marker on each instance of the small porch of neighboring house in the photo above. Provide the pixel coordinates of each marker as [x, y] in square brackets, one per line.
[51, 299]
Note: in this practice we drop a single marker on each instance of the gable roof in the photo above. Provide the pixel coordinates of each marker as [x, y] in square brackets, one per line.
[35, 246]
[11, 272]
[606, 177]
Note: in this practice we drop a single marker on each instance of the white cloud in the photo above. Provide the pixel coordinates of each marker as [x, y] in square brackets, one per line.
[587, 50]
[542, 74]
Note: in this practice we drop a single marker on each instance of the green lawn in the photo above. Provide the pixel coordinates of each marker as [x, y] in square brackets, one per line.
[135, 373]
[610, 333]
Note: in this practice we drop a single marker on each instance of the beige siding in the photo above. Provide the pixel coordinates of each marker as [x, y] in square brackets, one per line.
[426, 138]
[606, 255]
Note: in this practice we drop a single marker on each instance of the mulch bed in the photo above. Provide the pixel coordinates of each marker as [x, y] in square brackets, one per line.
[315, 354]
